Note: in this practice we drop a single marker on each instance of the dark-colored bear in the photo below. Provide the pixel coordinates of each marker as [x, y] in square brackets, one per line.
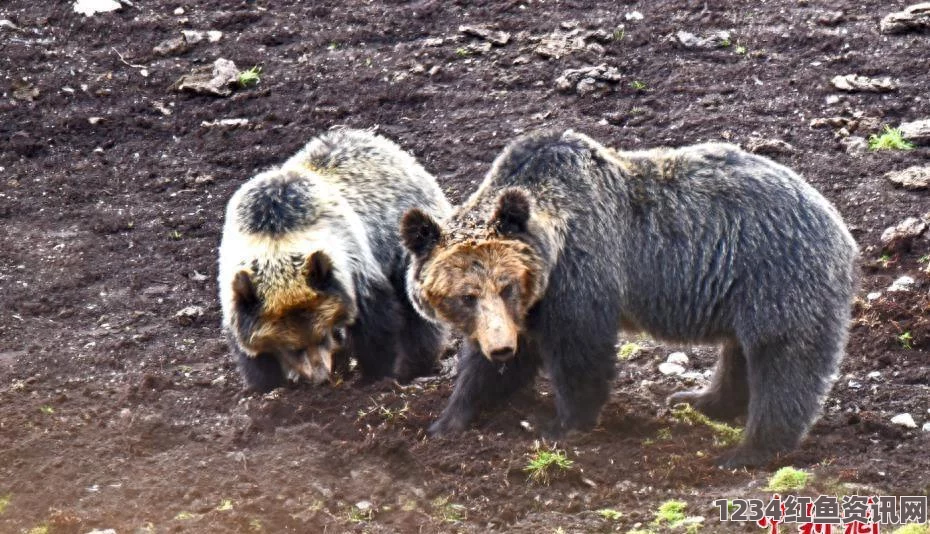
[567, 241]
[311, 267]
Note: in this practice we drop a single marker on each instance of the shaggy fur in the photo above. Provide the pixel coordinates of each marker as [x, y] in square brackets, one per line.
[703, 244]
[311, 269]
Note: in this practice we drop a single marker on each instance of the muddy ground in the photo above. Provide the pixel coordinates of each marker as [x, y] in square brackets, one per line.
[115, 413]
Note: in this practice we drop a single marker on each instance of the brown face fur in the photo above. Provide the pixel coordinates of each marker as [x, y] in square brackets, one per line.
[301, 326]
[484, 288]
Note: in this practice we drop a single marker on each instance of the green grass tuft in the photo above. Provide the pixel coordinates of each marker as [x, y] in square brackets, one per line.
[5, 501]
[788, 479]
[724, 434]
[609, 514]
[628, 350]
[250, 77]
[890, 139]
[671, 512]
[544, 463]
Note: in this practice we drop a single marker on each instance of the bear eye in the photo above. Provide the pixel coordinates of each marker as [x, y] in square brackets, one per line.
[508, 291]
[468, 301]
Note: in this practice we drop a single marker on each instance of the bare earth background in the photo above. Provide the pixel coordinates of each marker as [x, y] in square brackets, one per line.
[115, 413]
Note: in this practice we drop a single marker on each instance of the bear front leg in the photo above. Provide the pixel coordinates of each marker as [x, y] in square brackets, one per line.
[373, 338]
[262, 373]
[580, 373]
[482, 383]
[421, 343]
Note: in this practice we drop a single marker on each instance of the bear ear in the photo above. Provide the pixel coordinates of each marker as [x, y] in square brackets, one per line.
[420, 232]
[319, 271]
[513, 212]
[244, 291]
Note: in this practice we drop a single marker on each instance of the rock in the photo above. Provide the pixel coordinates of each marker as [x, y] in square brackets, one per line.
[926, 427]
[179, 11]
[854, 384]
[903, 233]
[23, 90]
[6, 23]
[588, 79]
[499, 38]
[916, 131]
[363, 506]
[189, 314]
[915, 17]
[905, 420]
[855, 145]
[768, 147]
[225, 122]
[904, 283]
[718, 39]
[215, 79]
[188, 38]
[914, 178]
[873, 295]
[89, 8]
[679, 358]
[633, 16]
[667, 368]
[854, 82]
[559, 44]
[874, 375]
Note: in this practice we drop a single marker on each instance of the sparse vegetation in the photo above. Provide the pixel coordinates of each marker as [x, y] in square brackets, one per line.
[361, 514]
[46, 409]
[545, 463]
[176, 235]
[885, 260]
[671, 513]
[619, 34]
[4, 502]
[788, 479]
[225, 505]
[609, 514]
[388, 414]
[905, 340]
[447, 511]
[913, 528]
[740, 50]
[39, 529]
[724, 434]
[250, 77]
[184, 516]
[889, 139]
[638, 85]
[462, 52]
[628, 350]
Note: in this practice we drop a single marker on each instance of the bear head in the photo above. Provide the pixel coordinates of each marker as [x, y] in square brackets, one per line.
[301, 320]
[482, 285]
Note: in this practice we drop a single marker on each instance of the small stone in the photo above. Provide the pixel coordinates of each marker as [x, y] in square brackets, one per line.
[525, 425]
[769, 147]
[832, 99]
[678, 357]
[873, 295]
[179, 11]
[926, 427]
[499, 38]
[214, 79]
[915, 17]
[94, 120]
[903, 233]
[233, 123]
[874, 375]
[89, 8]
[905, 420]
[189, 314]
[854, 384]
[914, 178]
[916, 131]
[717, 39]
[633, 16]
[667, 368]
[6, 23]
[363, 506]
[161, 108]
[855, 82]
[855, 145]
[904, 283]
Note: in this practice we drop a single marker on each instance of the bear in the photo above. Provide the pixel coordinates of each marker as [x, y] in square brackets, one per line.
[566, 242]
[312, 270]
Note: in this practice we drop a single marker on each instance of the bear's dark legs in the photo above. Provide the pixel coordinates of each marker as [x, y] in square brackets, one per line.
[727, 396]
[580, 371]
[481, 383]
[373, 339]
[262, 373]
[420, 345]
[787, 382]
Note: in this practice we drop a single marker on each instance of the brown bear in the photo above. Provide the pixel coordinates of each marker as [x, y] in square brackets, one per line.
[312, 270]
[567, 241]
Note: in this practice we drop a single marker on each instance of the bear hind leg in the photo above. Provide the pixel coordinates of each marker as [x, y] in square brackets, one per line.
[788, 381]
[727, 396]
[421, 343]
